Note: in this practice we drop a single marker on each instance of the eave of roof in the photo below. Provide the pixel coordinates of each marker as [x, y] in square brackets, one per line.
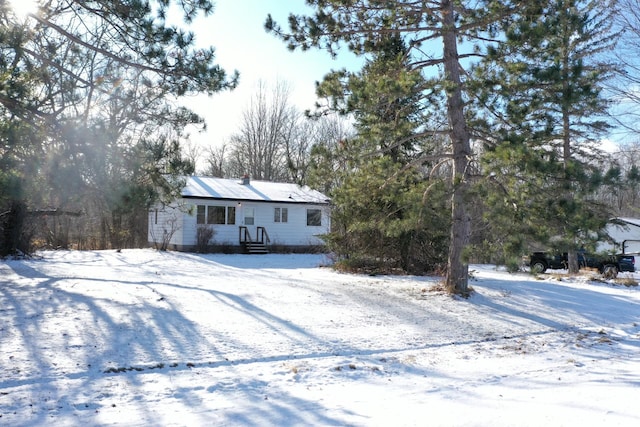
[293, 202]
[255, 191]
[630, 221]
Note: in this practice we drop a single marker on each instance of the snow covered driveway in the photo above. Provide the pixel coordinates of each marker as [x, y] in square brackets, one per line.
[159, 338]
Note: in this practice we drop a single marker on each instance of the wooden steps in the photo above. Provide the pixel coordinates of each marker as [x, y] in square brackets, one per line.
[255, 248]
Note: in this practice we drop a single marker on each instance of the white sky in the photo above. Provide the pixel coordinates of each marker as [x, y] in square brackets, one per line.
[236, 31]
[22, 7]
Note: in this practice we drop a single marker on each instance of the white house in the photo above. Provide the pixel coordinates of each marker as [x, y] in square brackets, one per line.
[625, 233]
[244, 214]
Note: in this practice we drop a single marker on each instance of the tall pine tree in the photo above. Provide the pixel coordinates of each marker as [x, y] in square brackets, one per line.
[433, 32]
[544, 87]
[380, 216]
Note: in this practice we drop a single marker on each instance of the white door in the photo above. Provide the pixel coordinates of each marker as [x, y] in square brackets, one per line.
[249, 216]
[249, 220]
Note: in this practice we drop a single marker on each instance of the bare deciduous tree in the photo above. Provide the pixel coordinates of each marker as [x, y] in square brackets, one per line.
[216, 161]
[259, 147]
[276, 141]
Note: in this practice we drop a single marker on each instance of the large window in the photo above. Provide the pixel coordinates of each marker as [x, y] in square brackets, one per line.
[281, 215]
[314, 217]
[216, 215]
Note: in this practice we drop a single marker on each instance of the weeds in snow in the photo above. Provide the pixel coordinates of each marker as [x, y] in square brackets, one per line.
[135, 368]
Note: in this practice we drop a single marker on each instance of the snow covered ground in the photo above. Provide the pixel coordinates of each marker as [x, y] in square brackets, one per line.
[146, 338]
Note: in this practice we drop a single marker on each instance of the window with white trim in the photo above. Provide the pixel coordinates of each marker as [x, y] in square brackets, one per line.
[249, 216]
[281, 215]
[231, 215]
[314, 217]
[201, 214]
[216, 215]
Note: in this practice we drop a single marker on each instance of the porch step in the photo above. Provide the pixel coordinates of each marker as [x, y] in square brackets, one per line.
[255, 248]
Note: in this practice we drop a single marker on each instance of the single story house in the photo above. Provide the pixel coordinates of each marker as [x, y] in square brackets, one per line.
[243, 214]
[625, 233]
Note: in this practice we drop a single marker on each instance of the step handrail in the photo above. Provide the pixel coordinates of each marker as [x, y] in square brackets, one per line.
[244, 234]
[262, 234]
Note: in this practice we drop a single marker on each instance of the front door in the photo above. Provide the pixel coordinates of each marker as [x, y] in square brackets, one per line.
[249, 220]
[249, 216]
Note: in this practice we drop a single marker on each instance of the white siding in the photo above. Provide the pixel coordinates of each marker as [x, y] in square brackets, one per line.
[627, 235]
[165, 220]
[225, 234]
[183, 222]
[295, 231]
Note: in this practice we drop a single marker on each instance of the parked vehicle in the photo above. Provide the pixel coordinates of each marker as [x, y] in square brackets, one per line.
[609, 265]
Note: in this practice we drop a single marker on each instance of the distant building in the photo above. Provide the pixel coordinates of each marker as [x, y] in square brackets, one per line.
[245, 215]
[625, 233]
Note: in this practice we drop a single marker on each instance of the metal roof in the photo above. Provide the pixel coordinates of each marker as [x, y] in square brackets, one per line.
[630, 221]
[263, 191]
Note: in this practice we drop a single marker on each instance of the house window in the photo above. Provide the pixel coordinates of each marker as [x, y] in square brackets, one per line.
[314, 217]
[156, 220]
[215, 215]
[201, 214]
[231, 215]
[281, 215]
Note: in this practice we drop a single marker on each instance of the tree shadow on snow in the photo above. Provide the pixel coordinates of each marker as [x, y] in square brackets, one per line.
[562, 307]
[52, 367]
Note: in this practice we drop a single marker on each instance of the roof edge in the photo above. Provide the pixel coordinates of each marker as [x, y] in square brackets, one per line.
[282, 202]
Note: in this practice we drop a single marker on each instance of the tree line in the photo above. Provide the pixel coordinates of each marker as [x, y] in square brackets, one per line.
[89, 121]
[472, 130]
[493, 109]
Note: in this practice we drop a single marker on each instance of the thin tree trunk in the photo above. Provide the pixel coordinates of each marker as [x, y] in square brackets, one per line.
[458, 269]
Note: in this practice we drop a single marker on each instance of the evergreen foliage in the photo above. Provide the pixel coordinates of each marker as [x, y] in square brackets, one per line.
[432, 34]
[383, 221]
[95, 84]
[381, 218]
[544, 87]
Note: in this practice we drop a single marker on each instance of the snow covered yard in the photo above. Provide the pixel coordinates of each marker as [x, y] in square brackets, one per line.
[146, 338]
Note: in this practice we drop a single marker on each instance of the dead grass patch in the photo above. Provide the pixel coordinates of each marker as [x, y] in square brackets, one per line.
[626, 281]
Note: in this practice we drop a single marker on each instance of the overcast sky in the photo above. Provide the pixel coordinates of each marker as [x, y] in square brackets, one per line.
[236, 31]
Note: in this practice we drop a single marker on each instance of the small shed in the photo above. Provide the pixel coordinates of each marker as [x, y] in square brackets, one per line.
[243, 214]
[625, 233]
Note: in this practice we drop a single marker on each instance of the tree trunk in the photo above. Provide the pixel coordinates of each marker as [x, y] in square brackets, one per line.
[572, 261]
[458, 269]
[12, 227]
[572, 255]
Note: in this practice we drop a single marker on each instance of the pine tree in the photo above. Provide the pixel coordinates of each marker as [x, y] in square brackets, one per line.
[432, 32]
[380, 217]
[95, 80]
[545, 94]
